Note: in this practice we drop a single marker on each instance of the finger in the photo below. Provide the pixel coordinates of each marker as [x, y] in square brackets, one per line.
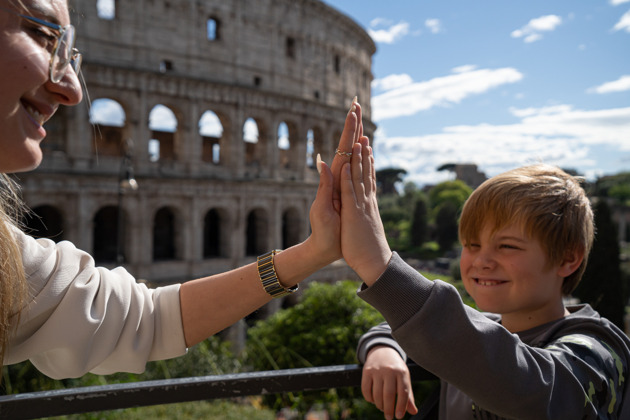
[366, 387]
[325, 187]
[357, 170]
[359, 112]
[403, 399]
[347, 139]
[389, 399]
[366, 164]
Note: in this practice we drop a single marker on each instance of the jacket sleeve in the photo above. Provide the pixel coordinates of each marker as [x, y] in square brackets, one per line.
[80, 318]
[576, 377]
[379, 335]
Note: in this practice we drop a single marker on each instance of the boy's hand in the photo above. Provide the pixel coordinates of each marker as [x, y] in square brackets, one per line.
[325, 210]
[363, 241]
[386, 383]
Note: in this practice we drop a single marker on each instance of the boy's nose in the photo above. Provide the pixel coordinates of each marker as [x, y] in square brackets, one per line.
[484, 261]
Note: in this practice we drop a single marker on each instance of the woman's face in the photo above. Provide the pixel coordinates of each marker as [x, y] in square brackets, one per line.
[27, 96]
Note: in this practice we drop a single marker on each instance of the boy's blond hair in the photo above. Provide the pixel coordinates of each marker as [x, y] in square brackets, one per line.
[549, 204]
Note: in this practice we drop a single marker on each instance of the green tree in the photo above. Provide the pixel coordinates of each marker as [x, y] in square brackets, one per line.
[419, 223]
[601, 285]
[446, 225]
[454, 192]
[388, 178]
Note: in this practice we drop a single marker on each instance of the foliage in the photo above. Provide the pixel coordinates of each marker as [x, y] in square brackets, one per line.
[322, 330]
[446, 225]
[601, 285]
[454, 192]
[388, 178]
[420, 223]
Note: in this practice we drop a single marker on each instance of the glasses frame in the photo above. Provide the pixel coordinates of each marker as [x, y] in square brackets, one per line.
[58, 63]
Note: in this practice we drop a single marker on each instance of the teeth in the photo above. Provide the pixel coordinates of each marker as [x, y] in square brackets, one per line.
[35, 114]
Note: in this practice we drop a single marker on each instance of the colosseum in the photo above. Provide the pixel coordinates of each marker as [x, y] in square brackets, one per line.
[215, 111]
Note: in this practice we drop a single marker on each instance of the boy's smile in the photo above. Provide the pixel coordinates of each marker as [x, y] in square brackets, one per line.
[506, 272]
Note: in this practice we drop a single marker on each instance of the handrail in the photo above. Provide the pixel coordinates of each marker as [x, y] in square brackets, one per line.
[137, 394]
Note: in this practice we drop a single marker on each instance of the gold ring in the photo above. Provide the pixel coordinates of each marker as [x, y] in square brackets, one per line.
[340, 153]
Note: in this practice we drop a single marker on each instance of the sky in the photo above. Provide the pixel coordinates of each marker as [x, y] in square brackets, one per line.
[498, 83]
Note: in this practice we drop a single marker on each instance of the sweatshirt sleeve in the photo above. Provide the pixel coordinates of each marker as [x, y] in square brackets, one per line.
[80, 318]
[379, 335]
[576, 378]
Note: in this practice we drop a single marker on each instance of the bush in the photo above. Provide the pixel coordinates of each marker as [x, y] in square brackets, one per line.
[322, 330]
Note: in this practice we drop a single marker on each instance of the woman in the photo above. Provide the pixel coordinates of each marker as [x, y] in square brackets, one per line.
[59, 310]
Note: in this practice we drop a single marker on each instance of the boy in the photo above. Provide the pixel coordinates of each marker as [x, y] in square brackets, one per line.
[526, 235]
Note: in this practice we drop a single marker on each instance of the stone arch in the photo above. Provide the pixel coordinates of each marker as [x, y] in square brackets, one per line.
[45, 221]
[163, 124]
[257, 232]
[287, 144]
[291, 223]
[109, 118]
[211, 132]
[215, 233]
[105, 235]
[164, 235]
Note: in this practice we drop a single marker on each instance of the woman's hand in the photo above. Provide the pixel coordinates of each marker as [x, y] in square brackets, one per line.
[363, 242]
[325, 211]
[386, 383]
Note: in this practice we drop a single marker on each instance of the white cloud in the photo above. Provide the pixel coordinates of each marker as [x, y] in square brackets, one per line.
[464, 68]
[624, 23]
[161, 118]
[620, 85]
[434, 25]
[618, 2]
[392, 81]
[391, 34]
[441, 91]
[558, 135]
[532, 31]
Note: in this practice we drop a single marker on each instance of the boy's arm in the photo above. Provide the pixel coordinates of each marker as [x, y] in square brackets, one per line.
[378, 335]
[492, 366]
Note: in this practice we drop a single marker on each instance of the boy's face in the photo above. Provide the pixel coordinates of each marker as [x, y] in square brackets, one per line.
[506, 272]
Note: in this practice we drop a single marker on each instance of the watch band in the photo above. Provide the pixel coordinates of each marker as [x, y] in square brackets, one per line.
[269, 278]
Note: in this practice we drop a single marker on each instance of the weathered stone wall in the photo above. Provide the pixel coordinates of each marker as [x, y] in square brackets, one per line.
[297, 62]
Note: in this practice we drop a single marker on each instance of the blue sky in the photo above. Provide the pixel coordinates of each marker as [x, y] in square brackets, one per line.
[499, 83]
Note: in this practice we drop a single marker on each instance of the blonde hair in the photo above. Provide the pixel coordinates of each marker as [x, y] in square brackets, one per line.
[549, 204]
[12, 278]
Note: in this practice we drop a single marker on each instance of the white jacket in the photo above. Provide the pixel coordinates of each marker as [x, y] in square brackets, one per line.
[79, 318]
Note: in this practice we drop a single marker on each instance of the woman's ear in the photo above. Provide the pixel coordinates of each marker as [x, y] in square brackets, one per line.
[570, 263]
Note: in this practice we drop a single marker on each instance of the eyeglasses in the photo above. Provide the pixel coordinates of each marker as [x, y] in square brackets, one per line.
[64, 52]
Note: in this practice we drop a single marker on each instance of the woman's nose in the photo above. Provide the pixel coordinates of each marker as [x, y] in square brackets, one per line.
[68, 90]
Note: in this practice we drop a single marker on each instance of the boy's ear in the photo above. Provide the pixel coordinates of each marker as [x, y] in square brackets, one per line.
[570, 263]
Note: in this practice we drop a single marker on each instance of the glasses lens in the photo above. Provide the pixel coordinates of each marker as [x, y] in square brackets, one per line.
[62, 55]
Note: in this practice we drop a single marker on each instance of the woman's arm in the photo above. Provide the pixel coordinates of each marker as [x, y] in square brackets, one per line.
[213, 303]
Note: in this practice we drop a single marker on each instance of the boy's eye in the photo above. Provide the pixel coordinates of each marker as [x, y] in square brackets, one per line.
[508, 246]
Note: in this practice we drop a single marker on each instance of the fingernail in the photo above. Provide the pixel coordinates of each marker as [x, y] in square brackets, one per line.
[319, 163]
[353, 107]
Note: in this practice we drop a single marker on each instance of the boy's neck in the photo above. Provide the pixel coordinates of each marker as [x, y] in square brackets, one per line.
[517, 322]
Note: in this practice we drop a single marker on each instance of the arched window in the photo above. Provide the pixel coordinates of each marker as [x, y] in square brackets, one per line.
[250, 136]
[106, 9]
[164, 235]
[212, 234]
[212, 29]
[284, 144]
[44, 222]
[105, 235]
[211, 131]
[256, 240]
[290, 228]
[163, 125]
[110, 117]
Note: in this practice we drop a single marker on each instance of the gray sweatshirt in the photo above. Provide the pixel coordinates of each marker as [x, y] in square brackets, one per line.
[572, 368]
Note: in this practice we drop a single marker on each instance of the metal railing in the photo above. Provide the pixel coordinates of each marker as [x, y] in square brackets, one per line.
[138, 394]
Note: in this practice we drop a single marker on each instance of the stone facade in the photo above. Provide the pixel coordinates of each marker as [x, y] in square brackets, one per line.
[205, 204]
